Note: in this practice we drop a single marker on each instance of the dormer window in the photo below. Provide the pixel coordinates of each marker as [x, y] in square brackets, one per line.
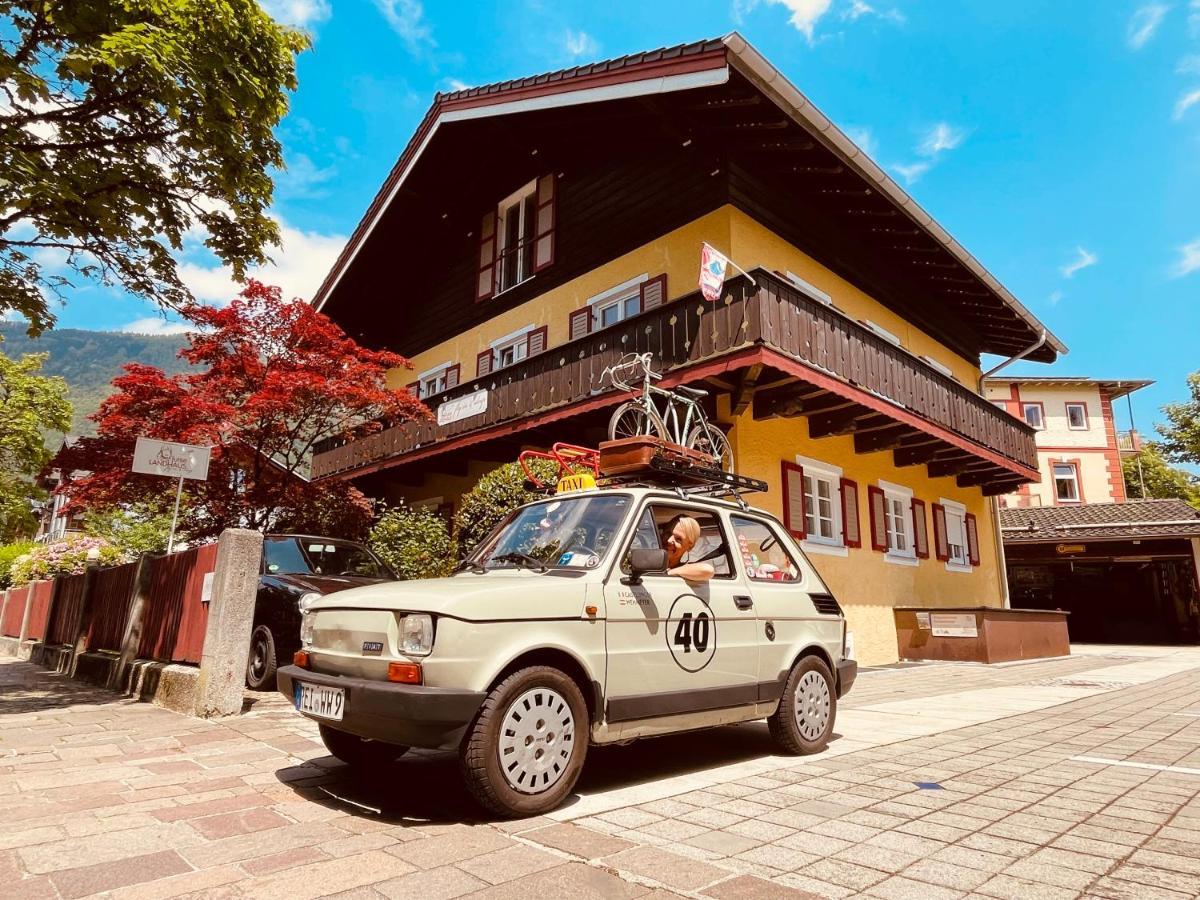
[516, 239]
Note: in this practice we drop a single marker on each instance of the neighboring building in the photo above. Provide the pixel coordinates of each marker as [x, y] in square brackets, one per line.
[1127, 572]
[1079, 447]
[53, 523]
[534, 231]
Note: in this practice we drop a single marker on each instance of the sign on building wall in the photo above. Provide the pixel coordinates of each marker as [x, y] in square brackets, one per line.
[151, 457]
[463, 407]
[954, 625]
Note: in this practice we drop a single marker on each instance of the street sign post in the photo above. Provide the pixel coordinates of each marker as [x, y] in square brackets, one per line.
[174, 460]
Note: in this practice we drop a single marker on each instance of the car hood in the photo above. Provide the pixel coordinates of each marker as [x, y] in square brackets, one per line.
[321, 584]
[500, 594]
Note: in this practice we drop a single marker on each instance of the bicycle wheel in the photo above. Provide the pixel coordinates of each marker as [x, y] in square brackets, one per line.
[711, 440]
[632, 419]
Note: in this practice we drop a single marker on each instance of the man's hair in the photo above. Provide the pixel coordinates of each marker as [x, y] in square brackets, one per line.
[691, 528]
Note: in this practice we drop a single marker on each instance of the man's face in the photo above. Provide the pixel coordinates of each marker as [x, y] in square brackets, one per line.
[677, 543]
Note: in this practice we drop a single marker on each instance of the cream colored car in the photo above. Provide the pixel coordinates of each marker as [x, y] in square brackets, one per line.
[562, 630]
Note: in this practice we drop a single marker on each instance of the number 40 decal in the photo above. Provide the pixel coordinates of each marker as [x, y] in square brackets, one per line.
[691, 633]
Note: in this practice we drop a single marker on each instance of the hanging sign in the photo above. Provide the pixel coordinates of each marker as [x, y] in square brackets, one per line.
[151, 457]
[463, 407]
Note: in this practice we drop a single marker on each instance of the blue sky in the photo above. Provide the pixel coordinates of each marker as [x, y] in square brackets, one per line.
[1058, 141]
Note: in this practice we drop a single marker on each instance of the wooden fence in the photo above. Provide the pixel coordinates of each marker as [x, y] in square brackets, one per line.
[111, 595]
[175, 617]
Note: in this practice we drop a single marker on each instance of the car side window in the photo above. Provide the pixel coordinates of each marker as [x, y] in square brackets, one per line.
[710, 547]
[764, 556]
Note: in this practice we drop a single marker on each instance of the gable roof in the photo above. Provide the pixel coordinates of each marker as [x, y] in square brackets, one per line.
[683, 67]
[1100, 521]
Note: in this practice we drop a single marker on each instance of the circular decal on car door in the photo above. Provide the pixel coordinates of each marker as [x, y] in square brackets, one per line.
[691, 633]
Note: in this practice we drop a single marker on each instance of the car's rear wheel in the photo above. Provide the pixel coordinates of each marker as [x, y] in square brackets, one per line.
[804, 721]
[359, 752]
[262, 662]
[525, 750]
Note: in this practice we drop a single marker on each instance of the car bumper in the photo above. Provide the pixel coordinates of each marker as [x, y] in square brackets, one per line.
[411, 715]
[847, 671]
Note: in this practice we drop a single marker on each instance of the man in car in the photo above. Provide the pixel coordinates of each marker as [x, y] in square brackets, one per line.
[679, 536]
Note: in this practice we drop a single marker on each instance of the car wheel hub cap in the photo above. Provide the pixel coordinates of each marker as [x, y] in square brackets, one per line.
[537, 739]
[812, 705]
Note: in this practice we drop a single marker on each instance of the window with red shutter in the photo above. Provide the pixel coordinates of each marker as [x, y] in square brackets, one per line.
[941, 543]
[485, 285]
[793, 499]
[920, 529]
[453, 374]
[414, 388]
[483, 363]
[580, 323]
[972, 538]
[543, 243]
[654, 292]
[850, 526]
[536, 341]
[879, 535]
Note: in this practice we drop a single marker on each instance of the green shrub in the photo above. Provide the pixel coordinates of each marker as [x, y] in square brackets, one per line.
[69, 557]
[8, 555]
[497, 494]
[415, 542]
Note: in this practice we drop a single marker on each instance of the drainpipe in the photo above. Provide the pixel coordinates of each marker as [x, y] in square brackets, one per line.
[996, 535]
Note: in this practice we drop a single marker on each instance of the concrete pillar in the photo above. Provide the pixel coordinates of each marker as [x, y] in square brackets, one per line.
[4, 607]
[230, 618]
[132, 638]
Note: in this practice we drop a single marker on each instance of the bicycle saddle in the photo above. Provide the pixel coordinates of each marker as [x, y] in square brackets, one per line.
[694, 393]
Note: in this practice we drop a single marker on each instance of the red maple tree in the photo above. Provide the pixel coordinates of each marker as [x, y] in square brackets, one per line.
[270, 379]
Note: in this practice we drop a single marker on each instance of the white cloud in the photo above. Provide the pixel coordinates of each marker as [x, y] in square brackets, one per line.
[804, 13]
[579, 43]
[1186, 102]
[156, 325]
[858, 9]
[863, 137]
[939, 138]
[1055, 297]
[911, 173]
[1144, 23]
[1083, 259]
[301, 264]
[1189, 260]
[407, 19]
[301, 14]
[456, 84]
[302, 179]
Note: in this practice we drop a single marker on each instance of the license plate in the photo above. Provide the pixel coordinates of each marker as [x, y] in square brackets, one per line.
[318, 700]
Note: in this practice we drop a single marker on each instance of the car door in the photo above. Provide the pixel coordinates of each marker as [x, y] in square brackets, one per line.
[674, 646]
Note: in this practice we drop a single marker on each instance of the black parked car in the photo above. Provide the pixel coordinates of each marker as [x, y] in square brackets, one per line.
[297, 569]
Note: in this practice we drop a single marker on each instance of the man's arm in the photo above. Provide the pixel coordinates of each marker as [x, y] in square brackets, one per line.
[698, 571]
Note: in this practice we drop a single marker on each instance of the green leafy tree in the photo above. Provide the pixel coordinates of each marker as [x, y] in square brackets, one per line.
[30, 404]
[496, 494]
[1162, 480]
[126, 125]
[414, 542]
[135, 529]
[1181, 432]
[9, 554]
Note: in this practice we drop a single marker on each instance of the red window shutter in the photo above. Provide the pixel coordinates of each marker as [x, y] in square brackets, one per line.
[414, 388]
[920, 529]
[543, 237]
[579, 323]
[452, 376]
[535, 343]
[793, 500]
[972, 529]
[851, 530]
[483, 363]
[485, 285]
[879, 529]
[941, 543]
[654, 292]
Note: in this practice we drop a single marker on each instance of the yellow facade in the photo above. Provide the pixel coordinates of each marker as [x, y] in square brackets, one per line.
[865, 581]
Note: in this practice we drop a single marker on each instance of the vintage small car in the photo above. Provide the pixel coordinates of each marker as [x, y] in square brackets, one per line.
[563, 629]
[296, 570]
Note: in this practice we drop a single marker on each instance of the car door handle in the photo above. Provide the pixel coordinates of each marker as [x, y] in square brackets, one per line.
[743, 601]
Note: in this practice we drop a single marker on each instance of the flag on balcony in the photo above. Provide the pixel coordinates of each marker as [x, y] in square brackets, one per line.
[712, 272]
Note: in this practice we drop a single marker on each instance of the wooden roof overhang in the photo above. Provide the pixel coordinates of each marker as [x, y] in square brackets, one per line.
[721, 111]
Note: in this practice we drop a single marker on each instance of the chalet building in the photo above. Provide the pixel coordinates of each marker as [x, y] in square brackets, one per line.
[1125, 570]
[1078, 445]
[534, 231]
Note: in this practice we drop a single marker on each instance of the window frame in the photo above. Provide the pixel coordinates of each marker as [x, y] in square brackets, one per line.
[651, 503]
[518, 339]
[1082, 407]
[879, 330]
[1041, 408]
[441, 372]
[893, 492]
[776, 531]
[809, 289]
[959, 512]
[516, 199]
[1075, 480]
[836, 545]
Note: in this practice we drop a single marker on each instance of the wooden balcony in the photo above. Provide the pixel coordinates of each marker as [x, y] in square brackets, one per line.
[768, 345]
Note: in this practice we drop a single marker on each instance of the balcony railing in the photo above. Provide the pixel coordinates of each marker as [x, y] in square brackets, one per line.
[690, 331]
[1129, 441]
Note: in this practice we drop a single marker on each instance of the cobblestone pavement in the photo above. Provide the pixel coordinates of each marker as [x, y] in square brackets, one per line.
[1061, 778]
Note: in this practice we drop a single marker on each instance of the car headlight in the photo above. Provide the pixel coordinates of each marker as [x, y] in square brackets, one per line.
[306, 629]
[307, 600]
[416, 634]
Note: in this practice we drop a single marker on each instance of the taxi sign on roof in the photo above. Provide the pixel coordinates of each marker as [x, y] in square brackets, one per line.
[580, 481]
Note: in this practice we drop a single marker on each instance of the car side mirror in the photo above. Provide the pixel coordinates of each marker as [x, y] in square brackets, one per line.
[642, 561]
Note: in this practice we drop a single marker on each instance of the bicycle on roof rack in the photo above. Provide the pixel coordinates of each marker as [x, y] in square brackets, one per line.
[672, 415]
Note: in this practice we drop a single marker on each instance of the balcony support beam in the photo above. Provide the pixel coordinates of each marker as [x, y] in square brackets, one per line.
[888, 438]
[743, 394]
[952, 465]
[837, 421]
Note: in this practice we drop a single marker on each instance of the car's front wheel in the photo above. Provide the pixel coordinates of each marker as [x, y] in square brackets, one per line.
[359, 752]
[804, 721]
[525, 750]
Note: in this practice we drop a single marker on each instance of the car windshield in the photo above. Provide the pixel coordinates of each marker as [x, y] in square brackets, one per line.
[569, 533]
[321, 556]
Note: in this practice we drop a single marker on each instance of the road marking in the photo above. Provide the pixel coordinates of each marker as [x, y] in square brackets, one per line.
[1184, 770]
